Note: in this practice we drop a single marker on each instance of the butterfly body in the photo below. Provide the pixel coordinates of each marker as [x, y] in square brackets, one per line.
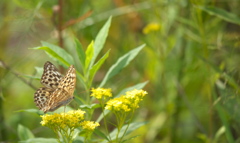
[57, 91]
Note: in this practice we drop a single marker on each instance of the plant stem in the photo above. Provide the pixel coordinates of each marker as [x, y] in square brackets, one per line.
[104, 118]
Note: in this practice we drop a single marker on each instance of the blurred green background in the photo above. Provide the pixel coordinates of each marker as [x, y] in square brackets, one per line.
[191, 61]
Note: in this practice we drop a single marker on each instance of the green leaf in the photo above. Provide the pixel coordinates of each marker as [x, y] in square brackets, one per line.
[132, 127]
[81, 79]
[89, 55]
[63, 109]
[53, 55]
[56, 53]
[121, 63]
[101, 134]
[92, 106]
[227, 16]
[80, 52]
[96, 67]
[61, 52]
[39, 71]
[38, 74]
[29, 76]
[102, 115]
[24, 133]
[79, 100]
[221, 131]
[40, 140]
[137, 86]
[100, 39]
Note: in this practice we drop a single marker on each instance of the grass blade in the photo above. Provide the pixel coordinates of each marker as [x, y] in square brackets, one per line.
[227, 16]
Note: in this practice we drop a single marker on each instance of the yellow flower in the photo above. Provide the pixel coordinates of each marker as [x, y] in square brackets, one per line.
[151, 27]
[100, 93]
[126, 102]
[135, 96]
[89, 125]
[70, 119]
[118, 104]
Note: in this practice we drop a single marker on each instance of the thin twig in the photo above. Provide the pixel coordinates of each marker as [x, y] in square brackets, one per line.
[60, 18]
[2, 64]
[74, 21]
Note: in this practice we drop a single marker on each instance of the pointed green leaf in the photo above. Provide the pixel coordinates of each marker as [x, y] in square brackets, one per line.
[121, 63]
[92, 106]
[132, 127]
[80, 52]
[227, 16]
[221, 131]
[24, 133]
[96, 67]
[102, 115]
[137, 86]
[100, 39]
[56, 53]
[39, 72]
[81, 79]
[89, 55]
[79, 100]
[60, 51]
[31, 77]
[101, 134]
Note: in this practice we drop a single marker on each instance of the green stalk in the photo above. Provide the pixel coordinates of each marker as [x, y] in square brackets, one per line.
[127, 126]
[104, 118]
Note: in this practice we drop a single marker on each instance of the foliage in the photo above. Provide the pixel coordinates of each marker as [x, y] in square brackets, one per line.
[65, 125]
[190, 59]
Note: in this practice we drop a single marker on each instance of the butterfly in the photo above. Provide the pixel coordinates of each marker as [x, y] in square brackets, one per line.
[57, 91]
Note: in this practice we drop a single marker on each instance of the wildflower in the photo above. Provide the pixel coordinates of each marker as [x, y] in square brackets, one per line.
[89, 125]
[73, 118]
[63, 124]
[151, 27]
[124, 107]
[118, 104]
[70, 119]
[135, 96]
[100, 93]
[126, 102]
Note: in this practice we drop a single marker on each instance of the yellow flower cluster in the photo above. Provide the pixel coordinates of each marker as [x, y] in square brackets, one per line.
[126, 102]
[151, 27]
[71, 119]
[100, 93]
[89, 125]
[135, 96]
[118, 104]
